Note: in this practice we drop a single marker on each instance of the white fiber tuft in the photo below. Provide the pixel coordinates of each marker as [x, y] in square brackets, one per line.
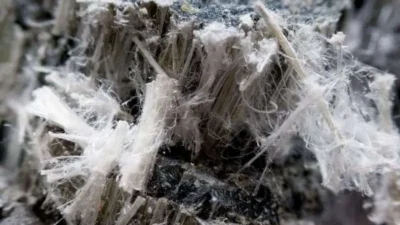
[150, 134]
[50, 107]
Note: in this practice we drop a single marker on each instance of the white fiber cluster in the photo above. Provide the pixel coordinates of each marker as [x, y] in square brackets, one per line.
[90, 125]
[219, 81]
[351, 144]
[101, 143]
[150, 134]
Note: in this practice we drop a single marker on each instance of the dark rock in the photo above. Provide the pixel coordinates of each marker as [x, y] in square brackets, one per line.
[209, 197]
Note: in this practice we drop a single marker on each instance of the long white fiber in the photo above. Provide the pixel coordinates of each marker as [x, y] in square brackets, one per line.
[138, 160]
